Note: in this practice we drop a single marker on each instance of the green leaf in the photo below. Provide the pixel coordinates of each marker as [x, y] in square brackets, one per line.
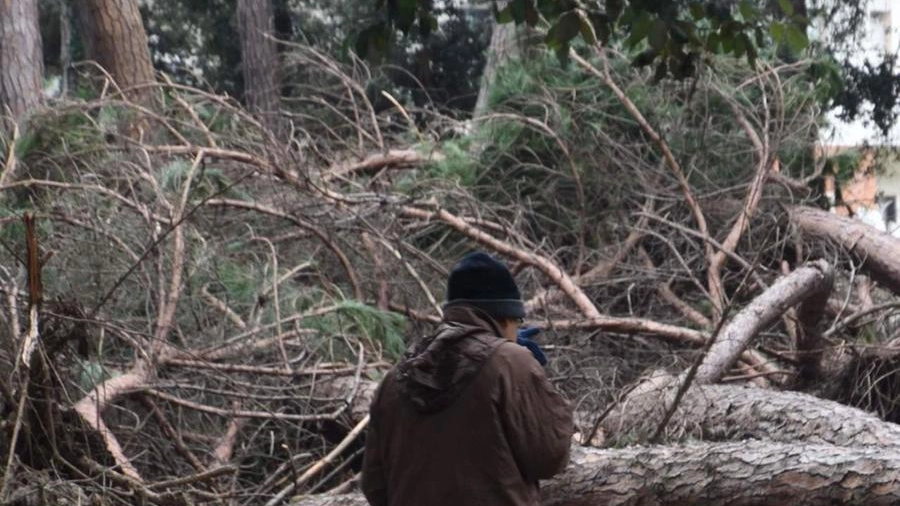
[562, 53]
[739, 47]
[778, 32]
[371, 43]
[697, 11]
[552, 39]
[683, 32]
[504, 15]
[727, 43]
[406, 14]
[796, 38]
[751, 53]
[658, 35]
[567, 27]
[517, 10]
[787, 7]
[748, 10]
[713, 41]
[639, 28]
[586, 28]
[428, 24]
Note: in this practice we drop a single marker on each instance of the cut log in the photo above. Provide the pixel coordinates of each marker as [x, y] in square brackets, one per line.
[713, 474]
[878, 253]
[732, 412]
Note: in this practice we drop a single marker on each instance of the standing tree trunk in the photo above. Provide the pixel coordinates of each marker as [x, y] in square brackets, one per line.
[21, 64]
[115, 39]
[505, 45]
[65, 45]
[259, 57]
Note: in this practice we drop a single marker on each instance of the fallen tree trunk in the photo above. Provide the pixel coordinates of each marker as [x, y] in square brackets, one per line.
[712, 474]
[731, 412]
[811, 280]
[815, 451]
[877, 252]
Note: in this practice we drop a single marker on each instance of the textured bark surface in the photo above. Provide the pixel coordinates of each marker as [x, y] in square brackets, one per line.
[116, 40]
[341, 386]
[504, 46]
[259, 58]
[814, 451]
[805, 282]
[877, 252]
[714, 474]
[732, 474]
[809, 344]
[731, 412]
[21, 64]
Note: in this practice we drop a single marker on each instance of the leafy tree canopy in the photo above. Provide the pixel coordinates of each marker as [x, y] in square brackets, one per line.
[673, 35]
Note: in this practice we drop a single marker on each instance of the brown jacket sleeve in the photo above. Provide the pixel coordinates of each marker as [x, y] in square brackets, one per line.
[374, 475]
[537, 420]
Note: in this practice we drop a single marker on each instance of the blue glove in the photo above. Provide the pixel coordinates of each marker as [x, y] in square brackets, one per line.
[523, 338]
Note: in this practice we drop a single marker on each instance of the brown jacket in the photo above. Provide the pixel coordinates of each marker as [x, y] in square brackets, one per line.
[466, 419]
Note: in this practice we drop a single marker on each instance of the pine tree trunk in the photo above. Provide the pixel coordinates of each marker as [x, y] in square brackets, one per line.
[65, 45]
[877, 252]
[808, 281]
[730, 412]
[732, 474]
[116, 40]
[714, 474]
[21, 64]
[505, 45]
[259, 57]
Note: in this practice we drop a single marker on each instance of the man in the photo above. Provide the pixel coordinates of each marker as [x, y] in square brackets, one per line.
[467, 418]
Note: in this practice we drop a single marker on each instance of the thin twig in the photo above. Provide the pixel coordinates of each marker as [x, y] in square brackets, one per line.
[687, 381]
[240, 413]
[542, 263]
[318, 466]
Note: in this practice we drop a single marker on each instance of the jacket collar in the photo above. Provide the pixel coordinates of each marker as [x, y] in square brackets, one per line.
[472, 317]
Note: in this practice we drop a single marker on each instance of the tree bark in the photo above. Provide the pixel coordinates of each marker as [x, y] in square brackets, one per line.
[788, 291]
[877, 252]
[504, 46]
[732, 474]
[259, 57]
[830, 452]
[731, 412]
[116, 40]
[21, 60]
[713, 474]
[808, 345]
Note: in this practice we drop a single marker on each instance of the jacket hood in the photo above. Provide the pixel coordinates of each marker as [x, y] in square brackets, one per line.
[436, 368]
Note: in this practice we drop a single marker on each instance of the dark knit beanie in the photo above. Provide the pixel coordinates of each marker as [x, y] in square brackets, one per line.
[481, 281]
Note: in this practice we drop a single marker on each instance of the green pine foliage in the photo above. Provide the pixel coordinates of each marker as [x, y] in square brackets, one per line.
[382, 329]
